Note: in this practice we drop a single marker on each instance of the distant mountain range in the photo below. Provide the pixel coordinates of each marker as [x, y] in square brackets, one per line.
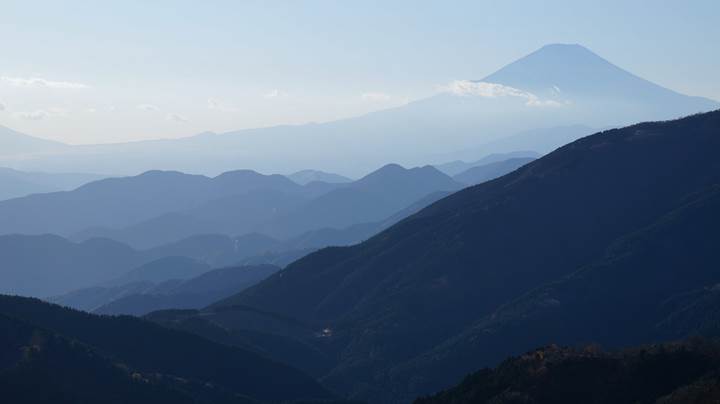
[553, 89]
[158, 207]
[288, 214]
[163, 269]
[230, 215]
[609, 239]
[15, 184]
[16, 145]
[369, 199]
[165, 291]
[47, 265]
[117, 202]
[177, 245]
[305, 177]
[483, 173]
[166, 282]
[193, 293]
[454, 168]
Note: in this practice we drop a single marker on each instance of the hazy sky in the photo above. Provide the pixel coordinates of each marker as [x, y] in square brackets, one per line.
[97, 72]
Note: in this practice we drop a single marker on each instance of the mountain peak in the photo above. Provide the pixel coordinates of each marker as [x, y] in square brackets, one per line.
[394, 174]
[394, 169]
[571, 73]
[240, 173]
[564, 47]
[14, 142]
[388, 170]
[562, 68]
[305, 177]
[249, 176]
[391, 167]
[570, 53]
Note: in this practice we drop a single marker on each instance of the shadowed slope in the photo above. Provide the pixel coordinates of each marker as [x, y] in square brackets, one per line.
[151, 348]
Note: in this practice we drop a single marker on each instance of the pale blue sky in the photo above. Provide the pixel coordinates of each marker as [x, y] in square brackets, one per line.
[151, 69]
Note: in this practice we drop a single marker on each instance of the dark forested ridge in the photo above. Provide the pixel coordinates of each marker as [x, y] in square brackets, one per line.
[656, 283]
[687, 372]
[149, 349]
[393, 301]
[39, 366]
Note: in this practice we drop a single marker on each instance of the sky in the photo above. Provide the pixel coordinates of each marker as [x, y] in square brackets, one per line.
[100, 72]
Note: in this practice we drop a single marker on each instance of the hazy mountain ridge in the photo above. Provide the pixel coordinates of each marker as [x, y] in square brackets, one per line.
[92, 298]
[483, 173]
[157, 208]
[75, 265]
[62, 265]
[16, 184]
[369, 199]
[192, 254]
[16, 145]
[162, 269]
[305, 177]
[454, 168]
[193, 293]
[230, 215]
[117, 202]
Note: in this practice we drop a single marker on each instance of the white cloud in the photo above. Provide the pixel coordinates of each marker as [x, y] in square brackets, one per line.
[493, 90]
[219, 105]
[213, 103]
[40, 114]
[148, 107]
[2, 107]
[33, 115]
[376, 97]
[536, 102]
[58, 111]
[176, 118]
[37, 82]
[275, 93]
